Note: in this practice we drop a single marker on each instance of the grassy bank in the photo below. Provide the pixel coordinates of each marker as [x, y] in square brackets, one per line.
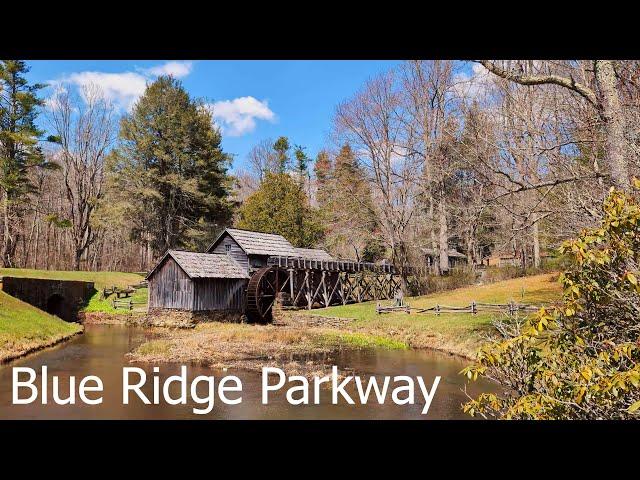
[249, 347]
[100, 280]
[300, 338]
[232, 345]
[459, 333]
[24, 328]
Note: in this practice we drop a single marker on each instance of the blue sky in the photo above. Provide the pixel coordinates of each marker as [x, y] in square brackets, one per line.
[254, 100]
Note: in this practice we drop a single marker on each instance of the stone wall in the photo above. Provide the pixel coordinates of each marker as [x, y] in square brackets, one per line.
[169, 317]
[63, 298]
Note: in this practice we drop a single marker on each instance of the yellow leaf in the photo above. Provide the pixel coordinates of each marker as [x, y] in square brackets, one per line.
[634, 407]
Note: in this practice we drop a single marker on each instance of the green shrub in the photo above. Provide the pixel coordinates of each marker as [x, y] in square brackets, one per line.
[580, 359]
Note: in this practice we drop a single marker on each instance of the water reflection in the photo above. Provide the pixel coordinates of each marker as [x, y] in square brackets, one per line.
[102, 351]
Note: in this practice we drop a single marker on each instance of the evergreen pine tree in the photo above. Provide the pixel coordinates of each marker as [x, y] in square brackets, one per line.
[171, 169]
[19, 150]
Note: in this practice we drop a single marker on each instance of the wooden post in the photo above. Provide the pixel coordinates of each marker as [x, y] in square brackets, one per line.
[308, 288]
[437, 309]
[324, 288]
[291, 282]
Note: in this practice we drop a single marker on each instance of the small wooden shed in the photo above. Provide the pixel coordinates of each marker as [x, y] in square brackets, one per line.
[197, 282]
[431, 256]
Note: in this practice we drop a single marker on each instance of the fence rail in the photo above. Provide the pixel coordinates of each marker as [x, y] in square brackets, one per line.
[125, 304]
[473, 308]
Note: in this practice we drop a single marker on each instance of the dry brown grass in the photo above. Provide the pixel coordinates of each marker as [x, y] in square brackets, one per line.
[229, 345]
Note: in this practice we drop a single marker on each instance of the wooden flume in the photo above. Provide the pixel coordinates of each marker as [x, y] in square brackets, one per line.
[304, 283]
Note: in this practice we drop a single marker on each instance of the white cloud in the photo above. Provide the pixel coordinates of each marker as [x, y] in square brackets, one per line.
[175, 69]
[474, 84]
[124, 88]
[53, 101]
[238, 116]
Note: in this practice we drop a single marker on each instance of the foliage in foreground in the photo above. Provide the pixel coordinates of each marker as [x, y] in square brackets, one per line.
[580, 359]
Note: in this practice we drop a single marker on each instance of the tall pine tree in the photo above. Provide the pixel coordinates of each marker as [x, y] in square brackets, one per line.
[19, 150]
[171, 170]
[348, 209]
[323, 170]
[281, 147]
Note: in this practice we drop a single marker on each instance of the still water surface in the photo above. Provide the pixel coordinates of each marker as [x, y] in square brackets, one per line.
[101, 351]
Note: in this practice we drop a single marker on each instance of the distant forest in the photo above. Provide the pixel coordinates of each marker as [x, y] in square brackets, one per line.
[487, 158]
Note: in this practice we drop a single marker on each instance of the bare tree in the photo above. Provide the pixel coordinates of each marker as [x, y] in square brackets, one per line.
[428, 133]
[262, 159]
[85, 130]
[371, 123]
[604, 98]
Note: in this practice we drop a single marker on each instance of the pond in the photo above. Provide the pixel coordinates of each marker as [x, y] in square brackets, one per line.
[102, 350]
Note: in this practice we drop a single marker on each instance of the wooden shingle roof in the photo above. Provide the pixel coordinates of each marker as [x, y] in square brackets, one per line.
[452, 253]
[204, 265]
[269, 244]
[256, 243]
[313, 254]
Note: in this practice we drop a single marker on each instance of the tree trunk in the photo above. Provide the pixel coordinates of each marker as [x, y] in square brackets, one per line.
[613, 118]
[434, 241]
[444, 237]
[471, 250]
[149, 254]
[76, 259]
[536, 245]
[6, 234]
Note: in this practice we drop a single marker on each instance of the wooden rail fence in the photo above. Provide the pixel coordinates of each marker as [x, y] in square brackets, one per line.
[123, 292]
[474, 308]
[125, 304]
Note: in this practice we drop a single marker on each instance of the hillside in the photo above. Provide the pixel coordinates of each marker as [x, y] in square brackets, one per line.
[459, 333]
[24, 328]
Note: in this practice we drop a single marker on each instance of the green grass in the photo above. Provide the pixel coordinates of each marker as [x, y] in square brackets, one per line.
[361, 340]
[104, 305]
[24, 327]
[100, 280]
[456, 332]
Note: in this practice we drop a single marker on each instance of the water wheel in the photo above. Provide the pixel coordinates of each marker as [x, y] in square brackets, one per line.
[262, 289]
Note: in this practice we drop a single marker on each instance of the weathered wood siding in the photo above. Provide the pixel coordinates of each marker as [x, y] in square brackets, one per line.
[235, 251]
[219, 294]
[170, 287]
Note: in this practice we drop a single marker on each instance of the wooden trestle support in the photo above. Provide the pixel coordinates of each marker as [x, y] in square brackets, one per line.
[316, 284]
